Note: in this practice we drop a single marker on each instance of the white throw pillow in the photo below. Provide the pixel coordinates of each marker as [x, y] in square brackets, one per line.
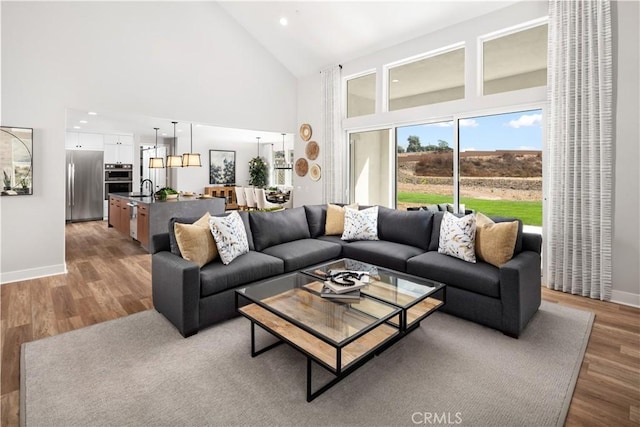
[230, 236]
[360, 225]
[457, 237]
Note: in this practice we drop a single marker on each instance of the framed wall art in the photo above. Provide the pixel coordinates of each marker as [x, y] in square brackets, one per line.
[222, 167]
[16, 160]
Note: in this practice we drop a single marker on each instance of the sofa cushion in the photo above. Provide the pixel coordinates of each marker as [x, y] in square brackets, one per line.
[458, 236]
[303, 253]
[335, 219]
[230, 236]
[196, 241]
[498, 219]
[173, 242]
[216, 277]
[273, 228]
[316, 219]
[411, 228]
[481, 278]
[495, 242]
[334, 239]
[361, 225]
[380, 252]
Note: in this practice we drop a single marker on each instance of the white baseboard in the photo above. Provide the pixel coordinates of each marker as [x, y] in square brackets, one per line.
[32, 273]
[625, 298]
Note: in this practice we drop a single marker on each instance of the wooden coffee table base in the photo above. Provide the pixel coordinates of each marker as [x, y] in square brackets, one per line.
[340, 361]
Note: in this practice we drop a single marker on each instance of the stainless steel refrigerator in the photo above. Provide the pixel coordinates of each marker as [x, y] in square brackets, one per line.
[85, 185]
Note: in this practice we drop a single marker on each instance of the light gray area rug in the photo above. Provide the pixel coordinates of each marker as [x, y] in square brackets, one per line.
[139, 371]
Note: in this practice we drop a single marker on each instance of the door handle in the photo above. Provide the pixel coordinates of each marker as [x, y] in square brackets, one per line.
[73, 184]
[69, 184]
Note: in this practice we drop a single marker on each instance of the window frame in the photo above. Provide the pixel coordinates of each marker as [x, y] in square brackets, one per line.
[496, 35]
[345, 97]
[386, 68]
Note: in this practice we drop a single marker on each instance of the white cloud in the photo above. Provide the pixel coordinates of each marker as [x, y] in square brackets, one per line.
[525, 120]
[469, 123]
[528, 148]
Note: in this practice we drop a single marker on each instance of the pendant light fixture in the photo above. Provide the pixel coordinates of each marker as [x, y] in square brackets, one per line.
[191, 159]
[174, 161]
[285, 163]
[156, 162]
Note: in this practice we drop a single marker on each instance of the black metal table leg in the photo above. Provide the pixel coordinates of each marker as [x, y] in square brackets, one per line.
[255, 353]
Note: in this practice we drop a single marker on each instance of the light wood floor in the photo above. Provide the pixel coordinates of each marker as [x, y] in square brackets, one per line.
[110, 277]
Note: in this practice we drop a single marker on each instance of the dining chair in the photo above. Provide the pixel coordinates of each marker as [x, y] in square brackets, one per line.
[241, 199]
[289, 203]
[262, 202]
[251, 197]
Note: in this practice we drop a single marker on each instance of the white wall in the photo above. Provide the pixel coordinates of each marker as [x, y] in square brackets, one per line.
[626, 235]
[160, 59]
[307, 191]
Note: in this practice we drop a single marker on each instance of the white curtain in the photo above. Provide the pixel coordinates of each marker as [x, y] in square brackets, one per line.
[579, 138]
[335, 166]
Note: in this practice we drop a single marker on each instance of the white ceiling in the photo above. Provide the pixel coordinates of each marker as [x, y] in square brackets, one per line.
[318, 34]
[323, 33]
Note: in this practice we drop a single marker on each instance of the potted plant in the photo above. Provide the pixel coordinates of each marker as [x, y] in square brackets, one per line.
[258, 172]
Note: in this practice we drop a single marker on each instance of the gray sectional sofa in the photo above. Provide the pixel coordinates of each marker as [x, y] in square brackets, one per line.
[193, 298]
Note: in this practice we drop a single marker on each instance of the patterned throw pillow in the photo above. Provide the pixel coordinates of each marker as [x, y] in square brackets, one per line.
[230, 236]
[360, 225]
[196, 241]
[457, 237]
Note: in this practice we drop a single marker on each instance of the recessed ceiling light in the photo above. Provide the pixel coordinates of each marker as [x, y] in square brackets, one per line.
[284, 21]
[93, 113]
[84, 122]
[395, 81]
[77, 127]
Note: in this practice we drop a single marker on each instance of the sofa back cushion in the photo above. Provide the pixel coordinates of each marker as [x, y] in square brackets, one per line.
[173, 244]
[437, 222]
[316, 218]
[411, 228]
[273, 228]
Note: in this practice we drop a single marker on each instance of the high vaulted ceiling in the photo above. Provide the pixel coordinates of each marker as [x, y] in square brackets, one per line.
[323, 33]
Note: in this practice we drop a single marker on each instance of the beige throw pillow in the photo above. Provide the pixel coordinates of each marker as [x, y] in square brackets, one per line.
[334, 224]
[196, 241]
[495, 242]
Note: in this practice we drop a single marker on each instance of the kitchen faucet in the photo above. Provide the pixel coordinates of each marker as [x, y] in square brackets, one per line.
[150, 186]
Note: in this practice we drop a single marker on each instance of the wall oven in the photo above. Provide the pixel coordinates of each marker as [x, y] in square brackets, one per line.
[118, 178]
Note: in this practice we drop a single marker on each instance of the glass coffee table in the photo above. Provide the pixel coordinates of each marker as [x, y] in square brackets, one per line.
[415, 296]
[339, 336]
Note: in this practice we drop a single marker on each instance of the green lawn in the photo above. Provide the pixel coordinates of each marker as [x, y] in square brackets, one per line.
[529, 212]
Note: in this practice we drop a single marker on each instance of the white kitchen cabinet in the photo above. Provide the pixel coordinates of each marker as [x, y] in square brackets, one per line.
[118, 149]
[84, 141]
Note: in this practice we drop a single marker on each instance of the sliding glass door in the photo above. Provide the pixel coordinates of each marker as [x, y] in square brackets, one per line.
[372, 168]
[500, 165]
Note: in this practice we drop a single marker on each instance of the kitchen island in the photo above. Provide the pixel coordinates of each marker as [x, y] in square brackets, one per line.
[143, 217]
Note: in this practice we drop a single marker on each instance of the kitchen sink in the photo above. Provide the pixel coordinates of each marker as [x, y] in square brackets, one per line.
[141, 195]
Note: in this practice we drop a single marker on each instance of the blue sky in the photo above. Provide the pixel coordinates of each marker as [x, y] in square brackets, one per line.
[511, 131]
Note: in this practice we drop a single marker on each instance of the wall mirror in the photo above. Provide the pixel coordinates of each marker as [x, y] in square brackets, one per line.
[16, 160]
